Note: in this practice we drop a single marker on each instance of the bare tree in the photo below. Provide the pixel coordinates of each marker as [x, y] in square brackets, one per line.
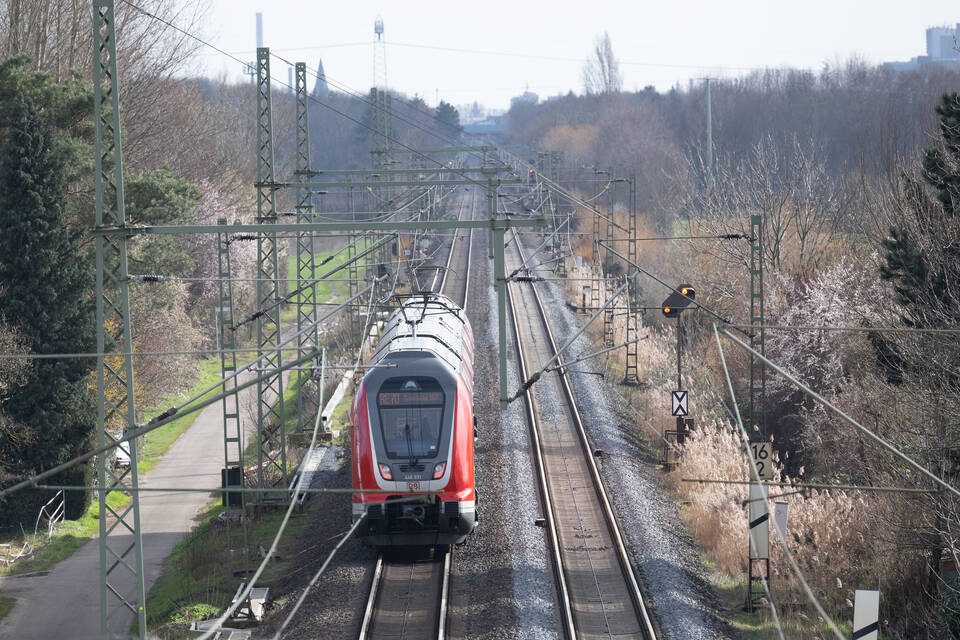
[601, 73]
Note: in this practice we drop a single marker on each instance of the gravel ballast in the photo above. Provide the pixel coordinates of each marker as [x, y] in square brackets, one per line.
[668, 562]
[502, 585]
[502, 580]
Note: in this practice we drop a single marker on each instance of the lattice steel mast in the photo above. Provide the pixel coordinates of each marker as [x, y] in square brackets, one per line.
[121, 559]
[271, 437]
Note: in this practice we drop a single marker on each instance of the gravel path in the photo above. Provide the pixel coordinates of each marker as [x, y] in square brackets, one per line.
[674, 579]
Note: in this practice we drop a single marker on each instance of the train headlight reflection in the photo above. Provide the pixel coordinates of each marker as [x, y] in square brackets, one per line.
[385, 472]
[438, 470]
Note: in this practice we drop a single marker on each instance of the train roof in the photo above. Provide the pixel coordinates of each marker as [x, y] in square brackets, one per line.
[429, 322]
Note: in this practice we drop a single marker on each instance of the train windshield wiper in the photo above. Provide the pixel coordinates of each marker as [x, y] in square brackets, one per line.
[413, 459]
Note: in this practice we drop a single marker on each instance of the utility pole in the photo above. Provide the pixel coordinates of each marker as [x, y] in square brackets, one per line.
[234, 504]
[306, 299]
[709, 141]
[121, 558]
[631, 375]
[758, 559]
[271, 436]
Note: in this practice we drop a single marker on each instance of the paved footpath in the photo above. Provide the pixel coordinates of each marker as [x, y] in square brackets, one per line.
[65, 603]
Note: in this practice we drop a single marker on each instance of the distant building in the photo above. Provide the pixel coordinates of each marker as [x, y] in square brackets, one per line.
[489, 125]
[320, 88]
[942, 45]
[527, 97]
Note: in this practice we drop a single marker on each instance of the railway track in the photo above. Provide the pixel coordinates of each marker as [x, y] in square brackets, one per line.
[598, 594]
[408, 595]
[455, 281]
[408, 598]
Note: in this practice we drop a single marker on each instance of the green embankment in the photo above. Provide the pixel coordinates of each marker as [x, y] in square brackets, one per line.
[198, 579]
[6, 604]
[73, 534]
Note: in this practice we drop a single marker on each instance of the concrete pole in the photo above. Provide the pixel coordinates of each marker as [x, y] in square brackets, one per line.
[500, 277]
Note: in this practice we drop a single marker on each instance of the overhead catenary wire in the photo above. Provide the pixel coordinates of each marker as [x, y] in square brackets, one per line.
[532, 379]
[756, 476]
[814, 485]
[156, 423]
[311, 98]
[181, 410]
[273, 547]
[215, 627]
[774, 327]
[316, 577]
[846, 418]
[698, 305]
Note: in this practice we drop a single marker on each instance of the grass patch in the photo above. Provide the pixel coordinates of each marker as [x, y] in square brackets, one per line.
[338, 290]
[160, 439]
[198, 580]
[69, 536]
[6, 605]
[759, 625]
[73, 534]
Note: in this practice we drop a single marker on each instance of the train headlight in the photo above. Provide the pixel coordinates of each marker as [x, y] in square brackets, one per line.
[438, 470]
[385, 472]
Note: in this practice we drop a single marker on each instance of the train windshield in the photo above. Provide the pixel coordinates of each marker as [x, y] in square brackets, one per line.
[411, 413]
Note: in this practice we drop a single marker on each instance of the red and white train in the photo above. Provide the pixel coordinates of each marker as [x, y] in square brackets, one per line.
[413, 428]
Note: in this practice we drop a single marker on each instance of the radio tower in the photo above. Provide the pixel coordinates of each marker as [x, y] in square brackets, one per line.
[379, 56]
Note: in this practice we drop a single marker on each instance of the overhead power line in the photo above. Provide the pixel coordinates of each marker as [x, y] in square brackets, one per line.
[756, 476]
[846, 418]
[311, 98]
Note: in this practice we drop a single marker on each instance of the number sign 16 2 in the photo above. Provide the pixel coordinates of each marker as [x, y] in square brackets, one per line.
[761, 453]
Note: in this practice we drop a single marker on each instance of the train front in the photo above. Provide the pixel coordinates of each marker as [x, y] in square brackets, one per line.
[413, 432]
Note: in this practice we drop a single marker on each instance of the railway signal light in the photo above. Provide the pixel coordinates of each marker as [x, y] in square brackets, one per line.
[678, 300]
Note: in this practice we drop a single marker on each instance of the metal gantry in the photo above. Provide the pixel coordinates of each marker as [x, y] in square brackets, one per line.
[307, 298]
[631, 375]
[121, 556]
[271, 436]
[120, 542]
[233, 442]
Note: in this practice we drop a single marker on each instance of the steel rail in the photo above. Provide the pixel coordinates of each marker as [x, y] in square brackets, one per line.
[372, 598]
[465, 271]
[563, 592]
[441, 272]
[645, 623]
[408, 597]
[380, 602]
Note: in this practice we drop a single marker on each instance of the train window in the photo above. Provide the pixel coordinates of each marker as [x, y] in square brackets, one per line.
[411, 414]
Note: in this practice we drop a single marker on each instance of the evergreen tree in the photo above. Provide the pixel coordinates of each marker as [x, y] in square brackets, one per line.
[922, 253]
[45, 292]
[448, 115]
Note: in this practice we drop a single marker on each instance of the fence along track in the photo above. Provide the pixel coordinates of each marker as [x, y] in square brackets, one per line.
[599, 594]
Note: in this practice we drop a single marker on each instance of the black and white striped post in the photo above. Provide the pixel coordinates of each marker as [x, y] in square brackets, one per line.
[759, 540]
[866, 615]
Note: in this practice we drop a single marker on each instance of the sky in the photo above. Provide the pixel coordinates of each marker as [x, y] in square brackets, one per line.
[490, 51]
